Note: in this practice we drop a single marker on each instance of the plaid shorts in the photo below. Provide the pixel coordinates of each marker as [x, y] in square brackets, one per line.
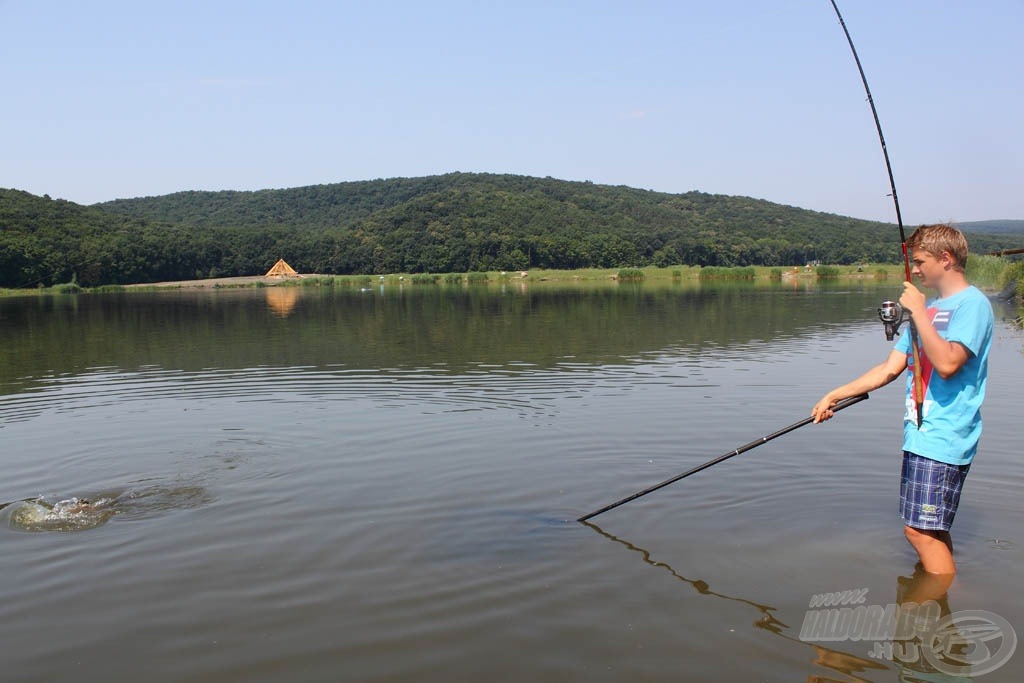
[930, 492]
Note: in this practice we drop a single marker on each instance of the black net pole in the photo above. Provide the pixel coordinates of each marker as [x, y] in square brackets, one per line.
[725, 456]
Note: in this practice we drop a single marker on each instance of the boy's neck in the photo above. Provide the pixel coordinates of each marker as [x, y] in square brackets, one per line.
[952, 283]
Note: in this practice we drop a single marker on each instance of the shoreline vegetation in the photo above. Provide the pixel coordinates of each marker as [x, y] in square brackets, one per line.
[533, 277]
[991, 273]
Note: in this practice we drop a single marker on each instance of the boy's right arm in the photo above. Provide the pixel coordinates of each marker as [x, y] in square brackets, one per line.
[876, 377]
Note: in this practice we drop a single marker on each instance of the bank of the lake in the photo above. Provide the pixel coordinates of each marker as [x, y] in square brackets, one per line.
[990, 273]
[609, 275]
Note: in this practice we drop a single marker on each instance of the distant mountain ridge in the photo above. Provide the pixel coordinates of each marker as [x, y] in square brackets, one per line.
[996, 227]
[456, 222]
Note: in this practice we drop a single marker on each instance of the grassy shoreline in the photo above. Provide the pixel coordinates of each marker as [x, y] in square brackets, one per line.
[650, 273]
[991, 273]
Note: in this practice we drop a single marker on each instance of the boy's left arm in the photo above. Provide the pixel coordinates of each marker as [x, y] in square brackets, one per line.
[945, 356]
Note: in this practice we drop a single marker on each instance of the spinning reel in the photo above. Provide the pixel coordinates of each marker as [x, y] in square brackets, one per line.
[892, 316]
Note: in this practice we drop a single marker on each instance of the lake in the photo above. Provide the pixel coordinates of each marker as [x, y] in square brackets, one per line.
[301, 484]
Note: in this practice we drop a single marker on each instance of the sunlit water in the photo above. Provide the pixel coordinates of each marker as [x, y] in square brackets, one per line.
[380, 486]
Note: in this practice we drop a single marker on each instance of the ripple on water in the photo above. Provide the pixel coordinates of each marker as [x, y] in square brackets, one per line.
[515, 385]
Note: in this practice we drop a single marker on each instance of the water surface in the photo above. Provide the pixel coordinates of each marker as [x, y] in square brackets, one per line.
[326, 485]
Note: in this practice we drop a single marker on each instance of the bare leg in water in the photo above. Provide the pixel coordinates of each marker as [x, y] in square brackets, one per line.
[935, 548]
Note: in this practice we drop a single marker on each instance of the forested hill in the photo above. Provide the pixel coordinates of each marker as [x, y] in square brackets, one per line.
[44, 241]
[463, 221]
[451, 223]
[550, 223]
[995, 227]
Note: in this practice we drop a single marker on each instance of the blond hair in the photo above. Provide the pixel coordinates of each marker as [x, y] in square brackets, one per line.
[939, 238]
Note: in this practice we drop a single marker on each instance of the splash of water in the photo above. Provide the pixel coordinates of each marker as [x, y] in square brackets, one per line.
[71, 514]
[79, 514]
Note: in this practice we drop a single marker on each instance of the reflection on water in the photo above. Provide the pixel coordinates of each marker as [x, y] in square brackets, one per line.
[937, 643]
[282, 300]
[923, 600]
[448, 332]
[835, 660]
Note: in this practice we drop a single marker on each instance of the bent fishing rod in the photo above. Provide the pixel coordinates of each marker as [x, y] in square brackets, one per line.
[845, 403]
[890, 313]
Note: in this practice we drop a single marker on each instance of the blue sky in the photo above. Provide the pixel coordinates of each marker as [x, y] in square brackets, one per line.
[122, 99]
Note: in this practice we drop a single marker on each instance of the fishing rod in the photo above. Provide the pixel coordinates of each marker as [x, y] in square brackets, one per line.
[891, 313]
[845, 403]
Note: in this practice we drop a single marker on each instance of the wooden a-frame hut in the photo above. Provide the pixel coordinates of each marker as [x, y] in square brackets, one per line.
[281, 269]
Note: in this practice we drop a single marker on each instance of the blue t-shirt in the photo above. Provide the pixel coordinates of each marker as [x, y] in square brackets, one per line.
[951, 424]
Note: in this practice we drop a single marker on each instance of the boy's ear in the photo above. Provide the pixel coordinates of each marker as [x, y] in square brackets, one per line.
[947, 260]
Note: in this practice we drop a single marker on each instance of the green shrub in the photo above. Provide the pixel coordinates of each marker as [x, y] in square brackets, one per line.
[677, 274]
[775, 274]
[67, 288]
[881, 274]
[476, 277]
[1014, 272]
[631, 275]
[425, 279]
[826, 272]
[452, 278]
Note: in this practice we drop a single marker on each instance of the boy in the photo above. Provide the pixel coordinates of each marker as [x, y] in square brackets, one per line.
[954, 332]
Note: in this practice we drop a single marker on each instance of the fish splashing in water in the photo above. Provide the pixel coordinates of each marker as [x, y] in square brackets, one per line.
[71, 514]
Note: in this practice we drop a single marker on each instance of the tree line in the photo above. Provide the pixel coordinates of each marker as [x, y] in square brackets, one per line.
[452, 223]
